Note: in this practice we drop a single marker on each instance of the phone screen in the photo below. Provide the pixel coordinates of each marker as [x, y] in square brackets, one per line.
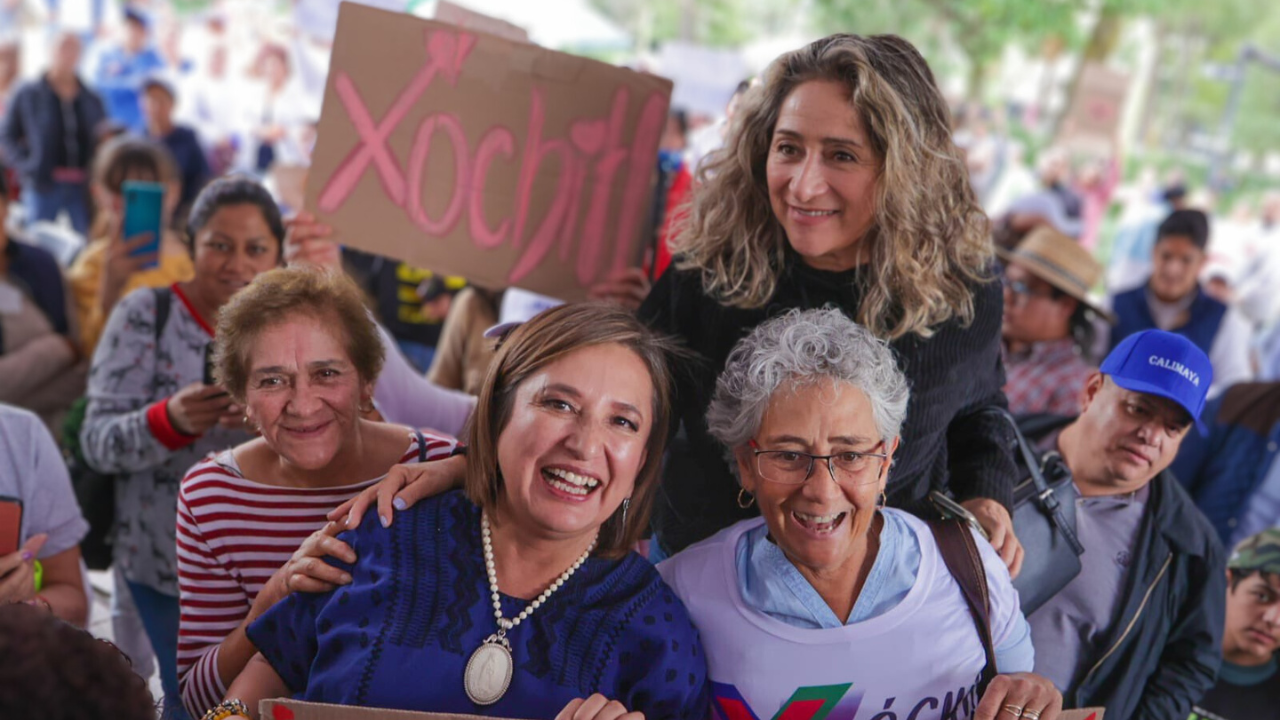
[10, 525]
[143, 213]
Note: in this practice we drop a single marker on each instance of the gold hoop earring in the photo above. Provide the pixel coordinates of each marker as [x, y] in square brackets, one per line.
[884, 500]
[745, 499]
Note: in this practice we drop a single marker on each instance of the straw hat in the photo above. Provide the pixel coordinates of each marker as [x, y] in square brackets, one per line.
[1059, 261]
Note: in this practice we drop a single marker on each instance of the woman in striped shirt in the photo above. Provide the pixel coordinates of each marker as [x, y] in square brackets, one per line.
[298, 350]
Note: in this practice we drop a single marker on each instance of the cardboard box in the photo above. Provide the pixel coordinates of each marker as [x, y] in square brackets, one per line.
[282, 709]
[473, 155]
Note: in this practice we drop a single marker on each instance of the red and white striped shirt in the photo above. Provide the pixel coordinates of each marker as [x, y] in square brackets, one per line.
[233, 534]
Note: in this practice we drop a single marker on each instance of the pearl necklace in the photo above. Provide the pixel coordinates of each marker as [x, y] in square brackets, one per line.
[488, 673]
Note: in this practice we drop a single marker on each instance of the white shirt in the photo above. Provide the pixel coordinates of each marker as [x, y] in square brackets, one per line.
[924, 655]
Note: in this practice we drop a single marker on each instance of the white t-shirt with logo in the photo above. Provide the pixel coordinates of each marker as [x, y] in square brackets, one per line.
[919, 661]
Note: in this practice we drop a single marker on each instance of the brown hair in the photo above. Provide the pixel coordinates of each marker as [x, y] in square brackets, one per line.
[55, 670]
[277, 295]
[541, 341]
[930, 238]
[124, 154]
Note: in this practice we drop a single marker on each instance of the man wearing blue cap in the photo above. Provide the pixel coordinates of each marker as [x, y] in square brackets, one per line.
[1139, 630]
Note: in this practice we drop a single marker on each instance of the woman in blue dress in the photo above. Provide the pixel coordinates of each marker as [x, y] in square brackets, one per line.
[517, 596]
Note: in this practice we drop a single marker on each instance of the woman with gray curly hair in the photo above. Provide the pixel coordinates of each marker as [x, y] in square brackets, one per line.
[830, 596]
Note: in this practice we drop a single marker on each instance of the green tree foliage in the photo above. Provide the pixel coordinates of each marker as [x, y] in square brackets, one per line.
[980, 29]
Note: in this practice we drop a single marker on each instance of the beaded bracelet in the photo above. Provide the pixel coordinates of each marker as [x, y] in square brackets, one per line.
[226, 709]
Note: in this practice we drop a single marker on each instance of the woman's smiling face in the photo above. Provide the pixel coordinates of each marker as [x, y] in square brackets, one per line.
[576, 441]
[819, 523]
[304, 393]
[822, 173]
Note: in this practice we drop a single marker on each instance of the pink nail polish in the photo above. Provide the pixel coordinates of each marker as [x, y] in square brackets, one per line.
[27, 555]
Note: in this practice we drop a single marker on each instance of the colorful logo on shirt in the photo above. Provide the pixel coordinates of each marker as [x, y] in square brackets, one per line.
[836, 702]
[809, 703]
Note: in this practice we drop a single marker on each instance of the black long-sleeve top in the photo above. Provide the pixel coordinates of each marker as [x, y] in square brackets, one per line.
[945, 445]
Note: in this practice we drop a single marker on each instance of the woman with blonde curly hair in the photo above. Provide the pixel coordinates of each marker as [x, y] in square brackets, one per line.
[839, 184]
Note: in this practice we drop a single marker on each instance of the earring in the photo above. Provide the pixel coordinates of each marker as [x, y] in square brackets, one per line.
[626, 505]
[366, 410]
[884, 500]
[745, 499]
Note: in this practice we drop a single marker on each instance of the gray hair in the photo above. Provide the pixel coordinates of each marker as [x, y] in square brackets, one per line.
[800, 347]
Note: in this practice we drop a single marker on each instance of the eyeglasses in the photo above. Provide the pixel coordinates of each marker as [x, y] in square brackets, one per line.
[1023, 290]
[792, 467]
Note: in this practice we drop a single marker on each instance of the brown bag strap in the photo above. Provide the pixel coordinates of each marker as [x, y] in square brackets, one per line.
[960, 553]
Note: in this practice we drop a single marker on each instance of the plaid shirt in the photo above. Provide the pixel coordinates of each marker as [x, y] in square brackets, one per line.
[1046, 379]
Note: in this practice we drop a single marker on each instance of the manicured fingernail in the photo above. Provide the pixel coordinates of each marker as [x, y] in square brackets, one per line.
[386, 521]
[27, 555]
[399, 504]
[346, 579]
[352, 520]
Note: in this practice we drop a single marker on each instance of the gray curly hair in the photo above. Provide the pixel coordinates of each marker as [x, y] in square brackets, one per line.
[801, 347]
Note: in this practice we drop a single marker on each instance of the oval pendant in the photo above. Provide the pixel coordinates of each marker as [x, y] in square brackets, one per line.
[488, 673]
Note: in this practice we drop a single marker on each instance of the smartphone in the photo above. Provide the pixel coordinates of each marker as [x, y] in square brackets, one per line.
[208, 369]
[143, 213]
[10, 525]
[952, 510]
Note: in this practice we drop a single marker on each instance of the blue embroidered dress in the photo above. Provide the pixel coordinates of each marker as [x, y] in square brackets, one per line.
[399, 636]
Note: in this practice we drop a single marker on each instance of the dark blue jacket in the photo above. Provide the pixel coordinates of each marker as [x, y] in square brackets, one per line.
[192, 165]
[1134, 315]
[1223, 470]
[28, 147]
[1166, 643]
[38, 273]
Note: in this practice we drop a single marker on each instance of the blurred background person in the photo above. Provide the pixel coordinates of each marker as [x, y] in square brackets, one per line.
[1172, 299]
[276, 111]
[1048, 324]
[158, 98]
[464, 352]
[1129, 260]
[41, 366]
[46, 571]
[48, 138]
[107, 269]
[672, 192]
[1233, 471]
[124, 66]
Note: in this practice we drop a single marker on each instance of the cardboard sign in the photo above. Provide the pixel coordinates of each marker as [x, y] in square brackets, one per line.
[447, 12]
[1097, 109]
[282, 709]
[471, 155]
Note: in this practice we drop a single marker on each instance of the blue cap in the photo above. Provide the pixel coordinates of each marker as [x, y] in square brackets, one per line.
[1155, 362]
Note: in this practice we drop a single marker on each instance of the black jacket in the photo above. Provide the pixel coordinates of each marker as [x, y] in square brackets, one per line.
[1167, 641]
[26, 142]
[945, 442]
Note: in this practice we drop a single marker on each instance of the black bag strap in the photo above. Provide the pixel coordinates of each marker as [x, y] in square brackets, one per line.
[960, 553]
[1045, 496]
[422, 446]
[164, 301]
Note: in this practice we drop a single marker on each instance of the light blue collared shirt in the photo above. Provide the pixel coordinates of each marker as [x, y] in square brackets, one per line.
[771, 584]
